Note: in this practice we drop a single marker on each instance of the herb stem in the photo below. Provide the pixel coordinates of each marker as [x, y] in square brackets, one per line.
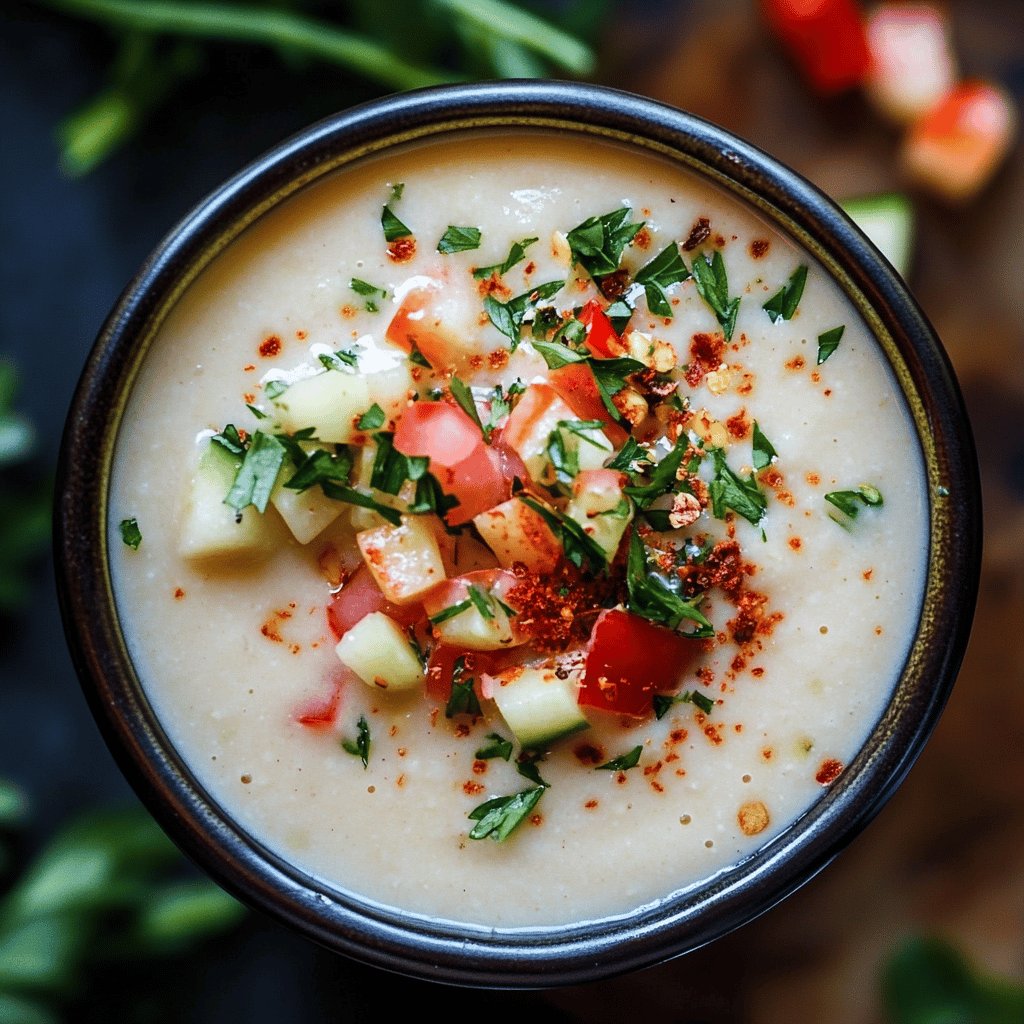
[279, 29]
[498, 18]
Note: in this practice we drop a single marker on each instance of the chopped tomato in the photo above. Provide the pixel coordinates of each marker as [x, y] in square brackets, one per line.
[956, 147]
[826, 39]
[629, 660]
[478, 482]
[577, 387]
[442, 432]
[359, 597]
[602, 339]
[321, 712]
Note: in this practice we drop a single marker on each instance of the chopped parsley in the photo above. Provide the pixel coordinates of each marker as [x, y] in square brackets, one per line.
[341, 360]
[320, 466]
[728, 491]
[230, 440]
[632, 458]
[509, 316]
[450, 612]
[130, 533]
[711, 279]
[598, 243]
[457, 239]
[849, 502]
[360, 746]
[663, 475]
[483, 603]
[274, 389]
[500, 405]
[370, 292]
[829, 342]
[663, 703]
[652, 599]
[665, 270]
[417, 357]
[497, 746]
[497, 818]
[463, 699]
[393, 227]
[257, 475]
[372, 419]
[557, 355]
[623, 762]
[515, 254]
[764, 452]
[464, 396]
[528, 765]
[782, 305]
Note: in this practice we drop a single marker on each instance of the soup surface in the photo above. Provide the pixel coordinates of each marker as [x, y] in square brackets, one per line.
[677, 588]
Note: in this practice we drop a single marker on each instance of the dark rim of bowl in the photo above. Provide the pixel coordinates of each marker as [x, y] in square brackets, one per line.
[443, 950]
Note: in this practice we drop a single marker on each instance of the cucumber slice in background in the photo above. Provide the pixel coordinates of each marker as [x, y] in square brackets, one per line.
[888, 220]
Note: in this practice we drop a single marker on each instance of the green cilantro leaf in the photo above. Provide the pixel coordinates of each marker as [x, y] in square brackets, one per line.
[370, 292]
[319, 466]
[764, 453]
[849, 502]
[464, 396]
[782, 305]
[580, 548]
[528, 765]
[450, 612]
[360, 746]
[497, 747]
[730, 491]
[130, 533]
[515, 254]
[663, 476]
[457, 239]
[393, 227]
[665, 270]
[499, 816]
[500, 405]
[663, 703]
[257, 475]
[711, 279]
[508, 316]
[598, 242]
[651, 598]
[463, 699]
[342, 361]
[623, 762]
[829, 342]
[556, 354]
[372, 419]
[230, 440]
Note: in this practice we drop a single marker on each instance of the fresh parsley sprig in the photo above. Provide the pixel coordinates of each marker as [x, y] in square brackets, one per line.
[651, 598]
[598, 243]
[783, 304]
[712, 281]
[498, 817]
[665, 270]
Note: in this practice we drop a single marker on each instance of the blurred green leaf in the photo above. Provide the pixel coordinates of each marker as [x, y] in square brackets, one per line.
[13, 805]
[42, 954]
[17, 438]
[19, 1010]
[930, 982]
[183, 913]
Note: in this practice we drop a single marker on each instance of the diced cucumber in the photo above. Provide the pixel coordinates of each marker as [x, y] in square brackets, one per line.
[517, 533]
[378, 650]
[213, 531]
[404, 560]
[888, 220]
[601, 509]
[590, 446]
[306, 513]
[471, 629]
[538, 706]
[330, 402]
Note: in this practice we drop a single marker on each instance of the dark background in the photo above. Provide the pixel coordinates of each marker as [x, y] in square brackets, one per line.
[945, 857]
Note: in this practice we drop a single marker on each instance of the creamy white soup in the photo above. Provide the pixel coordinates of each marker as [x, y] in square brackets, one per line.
[516, 529]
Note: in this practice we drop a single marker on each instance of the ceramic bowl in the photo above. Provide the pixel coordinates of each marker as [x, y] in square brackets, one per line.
[440, 950]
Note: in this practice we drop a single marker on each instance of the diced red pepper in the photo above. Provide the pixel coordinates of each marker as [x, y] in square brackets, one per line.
[359, 597]
[826, 39]
[321, 712]
[602, 339]
[956, 147]
[629, 660]
[577, 387]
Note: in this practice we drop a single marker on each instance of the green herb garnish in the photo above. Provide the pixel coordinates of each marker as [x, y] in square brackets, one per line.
[515, 254]
[623, 762]
[320, 466]
[463, 699]
[393, 227]
[230, 440]
[497, 747]
[464, 396]
[764, 453]
[731, 491]
[580, 548]
[665, 270]
[130, 533]
[849, 502]
[508, 316]
[500, 405]
[782, 305]
[598, 242]
[651, 598]
[372, 419]
[663, 476]
[556, 354]
[528, 765]
[457, 239]
[829, 342]
[342, 360]
[711, 279]
[450, 612]
[370, 292]
[664, 702]
[498, 817]
[257, 475]
[360, 746]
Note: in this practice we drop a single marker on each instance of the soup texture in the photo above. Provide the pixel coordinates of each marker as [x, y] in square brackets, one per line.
[516, 529]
